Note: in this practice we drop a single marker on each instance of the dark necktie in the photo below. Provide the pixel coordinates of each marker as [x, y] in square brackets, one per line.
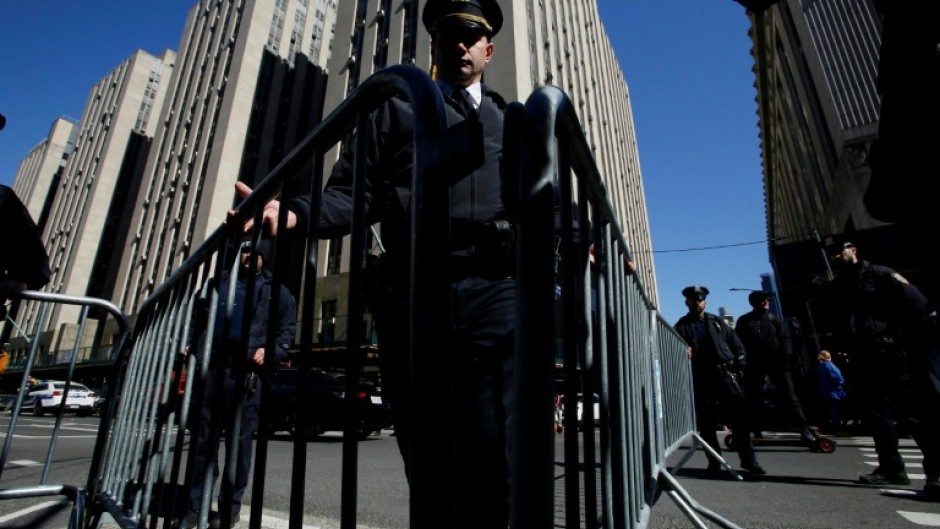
[464, 103]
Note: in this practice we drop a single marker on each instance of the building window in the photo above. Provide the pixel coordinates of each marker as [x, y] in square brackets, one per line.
[334, 256]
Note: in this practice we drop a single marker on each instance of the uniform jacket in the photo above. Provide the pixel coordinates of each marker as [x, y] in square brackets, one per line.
[29, 263]
[877, 302]
[477, 194]
[722, 344]
[286, 314]
[765, 338]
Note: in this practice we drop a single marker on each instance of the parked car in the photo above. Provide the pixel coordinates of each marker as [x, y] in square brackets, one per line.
[46, 396]
[98, 407]
[323, 402]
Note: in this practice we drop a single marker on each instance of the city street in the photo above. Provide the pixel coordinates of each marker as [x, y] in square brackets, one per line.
[802, 490]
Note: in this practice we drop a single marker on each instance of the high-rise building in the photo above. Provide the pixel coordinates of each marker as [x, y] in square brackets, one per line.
[84, 205]
[243, 93]
[820, 79]
[40, 170]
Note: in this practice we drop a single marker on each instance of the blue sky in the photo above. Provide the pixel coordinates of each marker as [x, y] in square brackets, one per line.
[687, 65]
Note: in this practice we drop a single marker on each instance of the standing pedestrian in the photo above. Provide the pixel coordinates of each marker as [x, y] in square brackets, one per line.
[234, 366]
[884, 323]
[831, 390]
[481, 253]
[769, 354]
[718, 364]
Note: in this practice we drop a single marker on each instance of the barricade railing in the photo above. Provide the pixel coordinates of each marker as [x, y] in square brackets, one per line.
[613, 341]
[141, 472]
[97, 321]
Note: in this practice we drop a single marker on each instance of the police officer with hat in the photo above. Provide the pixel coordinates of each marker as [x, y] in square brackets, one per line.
[482, 256]
[883, 323]
[228, 392]
[769, 353]
[718, 362]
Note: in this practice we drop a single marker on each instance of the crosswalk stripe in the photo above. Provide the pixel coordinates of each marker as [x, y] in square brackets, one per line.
[902, 450]
[34, 508]
[910, 475]
[908, 453]
[906, 457]
[922, 518]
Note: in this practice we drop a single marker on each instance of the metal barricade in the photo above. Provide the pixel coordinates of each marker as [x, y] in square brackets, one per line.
[140, 472]
[97, 321]
[613, 342]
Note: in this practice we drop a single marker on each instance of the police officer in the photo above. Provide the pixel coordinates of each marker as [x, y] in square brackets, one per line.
[718, 362]
[769, 353]
[884, 321]
[482, 259]
[232, 375]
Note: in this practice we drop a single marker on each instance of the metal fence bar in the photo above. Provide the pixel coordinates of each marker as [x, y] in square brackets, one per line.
[137, 480]
[645, 384]
[105, 314]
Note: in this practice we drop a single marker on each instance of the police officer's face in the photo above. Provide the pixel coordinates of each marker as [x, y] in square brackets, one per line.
[844, 257]
[461, 54]
[696, 306]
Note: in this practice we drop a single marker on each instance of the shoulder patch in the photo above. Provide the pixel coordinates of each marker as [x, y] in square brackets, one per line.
[899, 278]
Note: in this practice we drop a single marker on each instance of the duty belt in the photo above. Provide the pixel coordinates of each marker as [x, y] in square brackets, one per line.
[489, 240]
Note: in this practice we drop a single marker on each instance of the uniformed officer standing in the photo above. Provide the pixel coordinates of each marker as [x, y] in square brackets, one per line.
[718, 362]
[232, 374]
[482, 258]
[884, 321]
[769, 353]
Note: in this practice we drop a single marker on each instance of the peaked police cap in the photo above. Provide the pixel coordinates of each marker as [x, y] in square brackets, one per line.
[475, 14]
[695, 292]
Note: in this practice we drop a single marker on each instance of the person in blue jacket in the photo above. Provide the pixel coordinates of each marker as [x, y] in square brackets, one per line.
[234, 366]
[831, 390]
[718, 363]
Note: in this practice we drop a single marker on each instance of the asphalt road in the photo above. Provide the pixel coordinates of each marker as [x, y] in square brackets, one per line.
[802, 490]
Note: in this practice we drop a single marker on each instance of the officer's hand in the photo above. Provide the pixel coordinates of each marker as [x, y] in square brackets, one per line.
[688, 352]
[258, 357]
[737, 375]
[9, 288]
[269, 214]
[628, 267]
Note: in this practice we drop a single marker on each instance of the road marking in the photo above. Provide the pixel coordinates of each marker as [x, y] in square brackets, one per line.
[922, 518]
[21, 436]
[910, 475]
[20, 463]
[34, 508]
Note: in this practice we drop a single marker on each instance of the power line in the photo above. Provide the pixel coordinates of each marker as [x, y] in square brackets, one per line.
[719, 247]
